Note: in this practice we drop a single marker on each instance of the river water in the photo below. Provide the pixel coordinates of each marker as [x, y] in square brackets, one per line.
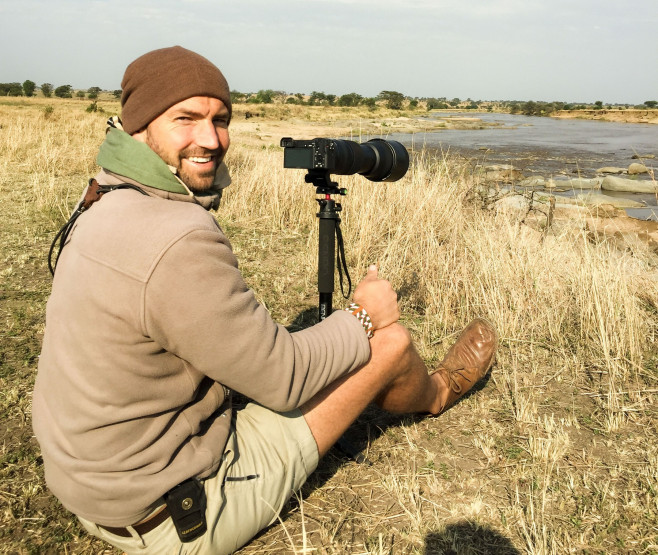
[550, 147]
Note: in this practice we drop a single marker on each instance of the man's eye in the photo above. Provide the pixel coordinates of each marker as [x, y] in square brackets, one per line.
[221, 122]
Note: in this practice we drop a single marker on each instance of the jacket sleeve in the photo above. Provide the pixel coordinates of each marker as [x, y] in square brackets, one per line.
[197, 306]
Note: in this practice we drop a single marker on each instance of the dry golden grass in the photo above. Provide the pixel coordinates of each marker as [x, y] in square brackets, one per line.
[555, 453]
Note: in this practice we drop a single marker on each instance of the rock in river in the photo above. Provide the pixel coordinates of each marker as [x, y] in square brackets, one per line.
[596, 199]
[571, 184]
[532, 183]
[612, 183]
[635, 169]
[611, 169]
[504, 173]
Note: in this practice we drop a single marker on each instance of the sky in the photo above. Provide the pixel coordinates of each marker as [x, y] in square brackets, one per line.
[541, 50]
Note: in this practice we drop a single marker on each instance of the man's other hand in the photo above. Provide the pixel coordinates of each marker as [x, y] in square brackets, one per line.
[378, 298]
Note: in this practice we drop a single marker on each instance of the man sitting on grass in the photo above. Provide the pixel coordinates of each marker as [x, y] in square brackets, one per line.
[150, 327]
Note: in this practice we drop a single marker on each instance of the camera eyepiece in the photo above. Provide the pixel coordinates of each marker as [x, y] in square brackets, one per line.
[376, 160]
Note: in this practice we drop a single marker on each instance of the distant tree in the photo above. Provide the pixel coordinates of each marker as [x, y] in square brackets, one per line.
[598, 105]
[80, 94]
[370, 103]
[11, 89]
[317, 97]
[350, 99]
[47, 90]
[455, 102]
[436, 104]
[237, 96]
[413, 103]
[297, 98]
[529, 108]
[29, 87]
[93, 93]
[651, 103]
[64, 91]
[265, 96]
[280, 96]
[116, 93]
[393, 99]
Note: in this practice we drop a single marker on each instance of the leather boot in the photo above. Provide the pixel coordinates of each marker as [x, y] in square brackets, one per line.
[467, 361]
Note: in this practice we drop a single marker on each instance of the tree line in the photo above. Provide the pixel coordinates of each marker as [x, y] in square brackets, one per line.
[393, 100]
[29, 88]
[532, 108]
[397, 101]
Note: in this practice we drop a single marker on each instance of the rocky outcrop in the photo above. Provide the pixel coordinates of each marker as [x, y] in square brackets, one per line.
[611, 170]
[613, 183]
[574, 184]
[597, 199]
[532, 183]
[519, 205]
[636, 169]
[501, 173]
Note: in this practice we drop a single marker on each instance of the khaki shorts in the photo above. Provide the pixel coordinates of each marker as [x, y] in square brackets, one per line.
[268, 457]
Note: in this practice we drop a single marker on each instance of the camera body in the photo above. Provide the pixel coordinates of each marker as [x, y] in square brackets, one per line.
[313, 154]
[377, 159]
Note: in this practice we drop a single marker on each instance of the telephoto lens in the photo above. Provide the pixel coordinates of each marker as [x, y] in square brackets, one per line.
[376, 160]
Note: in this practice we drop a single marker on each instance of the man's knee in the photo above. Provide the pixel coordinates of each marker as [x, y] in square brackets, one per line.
[393, 341]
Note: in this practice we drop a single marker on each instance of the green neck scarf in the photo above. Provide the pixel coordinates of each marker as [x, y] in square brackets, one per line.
[123, 155]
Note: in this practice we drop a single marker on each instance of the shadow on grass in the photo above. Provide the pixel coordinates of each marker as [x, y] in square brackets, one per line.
[303, 320]
[468, 538]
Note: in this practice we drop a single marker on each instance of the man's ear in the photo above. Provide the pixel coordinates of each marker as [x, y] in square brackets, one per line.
[141, 135]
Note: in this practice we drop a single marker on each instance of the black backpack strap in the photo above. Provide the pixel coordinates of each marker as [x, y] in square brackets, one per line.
[94, 194]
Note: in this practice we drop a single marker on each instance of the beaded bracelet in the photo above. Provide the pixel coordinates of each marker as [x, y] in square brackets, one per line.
[362, 316]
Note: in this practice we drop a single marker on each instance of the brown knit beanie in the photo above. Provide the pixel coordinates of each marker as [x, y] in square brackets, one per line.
[156, 81]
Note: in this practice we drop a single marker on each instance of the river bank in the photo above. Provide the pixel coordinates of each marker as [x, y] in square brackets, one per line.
[266, 124]
[620, 116]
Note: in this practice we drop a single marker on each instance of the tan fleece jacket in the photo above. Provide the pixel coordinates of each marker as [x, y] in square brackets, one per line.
[148, 324]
